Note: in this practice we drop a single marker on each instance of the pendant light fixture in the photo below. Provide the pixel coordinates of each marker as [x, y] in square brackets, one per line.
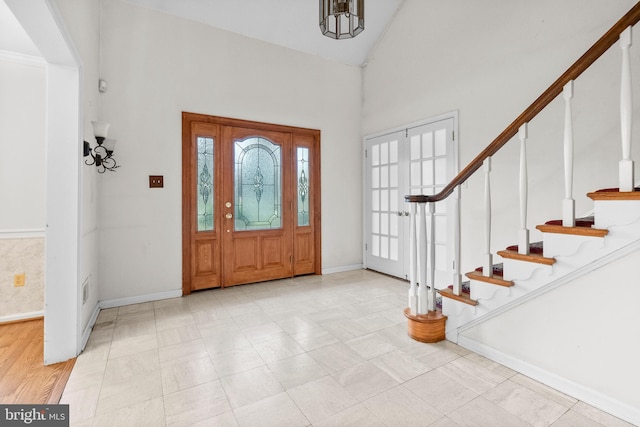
[341, 19]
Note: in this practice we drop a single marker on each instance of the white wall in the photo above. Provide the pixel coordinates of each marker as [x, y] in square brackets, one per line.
[82, 20]
[490, 60]
[22, 183]
[157, 66]
[22, 124]
[588, 347]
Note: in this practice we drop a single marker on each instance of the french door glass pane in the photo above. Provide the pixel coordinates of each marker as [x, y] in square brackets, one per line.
[303, 186]
[205, 183]
[257, 188]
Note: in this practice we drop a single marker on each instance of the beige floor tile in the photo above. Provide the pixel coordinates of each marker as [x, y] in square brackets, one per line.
[195, 404]
[82, 403]
[135, 308]
[336, 357]
[127, 346]
[228, 419]
[371, 346]
[224, 339]
[169, 321]
[481, 412]
[365, 380]
[296, 324]
[250, 386]
[544, 390]
[345, 329]
[400, 365]
[186, 374]
[471, 375]
[178, 335]
[274, 411]
[598, 415]
[263, 332]
[440, 392]
[534, 408]
[122, 393]
[574, 419]
[297, 370]
[281, 347]
[356, 416]
[122, 368]
[400, 407]
[182, 352]
[85, 375]
[321, 399]
[107, 315]
[236, 361]
[312, 339]
[145, 414]
[491, 365]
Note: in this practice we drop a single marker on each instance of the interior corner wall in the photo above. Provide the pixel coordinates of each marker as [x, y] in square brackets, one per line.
[22, 184]
[490, 60]
[82, 20]
[157, 66]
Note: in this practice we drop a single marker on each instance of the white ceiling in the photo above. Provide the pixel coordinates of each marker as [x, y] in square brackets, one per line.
[290, 23]
[13, 38]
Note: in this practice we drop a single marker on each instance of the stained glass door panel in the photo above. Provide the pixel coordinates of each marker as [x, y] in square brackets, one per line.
[257, 206]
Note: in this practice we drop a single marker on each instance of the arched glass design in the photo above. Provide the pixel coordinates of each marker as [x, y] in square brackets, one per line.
[204, 185]
[258, 190]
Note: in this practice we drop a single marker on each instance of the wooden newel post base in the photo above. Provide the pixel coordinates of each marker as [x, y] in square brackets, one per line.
[428, 327]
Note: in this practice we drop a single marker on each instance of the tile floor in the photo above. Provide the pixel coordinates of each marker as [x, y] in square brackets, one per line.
[312, 351]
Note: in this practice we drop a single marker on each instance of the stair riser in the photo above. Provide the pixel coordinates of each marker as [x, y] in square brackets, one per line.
[619, 212]
[522, 270]
[568, 244]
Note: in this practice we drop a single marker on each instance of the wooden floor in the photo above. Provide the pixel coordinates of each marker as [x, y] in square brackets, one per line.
[24, 378]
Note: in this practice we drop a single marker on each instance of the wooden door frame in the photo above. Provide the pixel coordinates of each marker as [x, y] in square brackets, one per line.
[187, 169]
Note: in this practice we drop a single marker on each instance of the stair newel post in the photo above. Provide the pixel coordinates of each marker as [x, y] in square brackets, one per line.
[457, 277]
[523, 235]
[626, 108]
[568, 204]
[423, 295]
[487, 267]
[413, 253]
[432, 258]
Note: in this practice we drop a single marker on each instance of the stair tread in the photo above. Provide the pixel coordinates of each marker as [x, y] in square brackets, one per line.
[532, 257]
[587, 221]
[615, 194]
[578, 230]
[463, 297]
[496, 279]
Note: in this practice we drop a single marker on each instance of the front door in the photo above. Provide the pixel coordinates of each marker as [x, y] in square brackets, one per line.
[250, 202]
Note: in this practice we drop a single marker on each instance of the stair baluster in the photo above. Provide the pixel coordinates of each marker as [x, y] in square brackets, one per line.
[568, 204]
[432, 258]
[457, 277]
[487, 269]
[626, 107]
[422, 260]
[523, 236]
[413, 251]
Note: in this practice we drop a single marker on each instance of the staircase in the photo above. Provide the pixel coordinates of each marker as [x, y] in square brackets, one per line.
[472, 312]
[564, 251]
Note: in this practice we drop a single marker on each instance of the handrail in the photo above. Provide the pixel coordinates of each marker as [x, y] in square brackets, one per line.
[590, 56]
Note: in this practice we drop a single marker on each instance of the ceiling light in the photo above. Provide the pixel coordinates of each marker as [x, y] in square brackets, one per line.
[341, 19]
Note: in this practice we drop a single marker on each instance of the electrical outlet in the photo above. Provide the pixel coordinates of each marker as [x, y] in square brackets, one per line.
[156, 181]
[18, 280]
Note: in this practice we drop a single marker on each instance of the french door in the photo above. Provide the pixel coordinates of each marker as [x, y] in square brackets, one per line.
[420, 159]
[251, 202]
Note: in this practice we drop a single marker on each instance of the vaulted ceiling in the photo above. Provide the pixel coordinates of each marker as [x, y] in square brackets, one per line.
[289, 23]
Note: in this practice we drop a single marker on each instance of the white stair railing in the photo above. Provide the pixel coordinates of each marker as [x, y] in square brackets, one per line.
[457, 239]
[626, 109]
[568, 204]
[487, 267]
[413, 254]
[423, 296]
[523, 235]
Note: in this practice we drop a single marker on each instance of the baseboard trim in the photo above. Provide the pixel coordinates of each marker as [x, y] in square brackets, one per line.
[587, 395]
[118, 302]
[342, 269]
[22, 317]
[89, 327]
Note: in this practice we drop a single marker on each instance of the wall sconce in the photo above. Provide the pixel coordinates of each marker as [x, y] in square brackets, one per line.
[102, 154]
